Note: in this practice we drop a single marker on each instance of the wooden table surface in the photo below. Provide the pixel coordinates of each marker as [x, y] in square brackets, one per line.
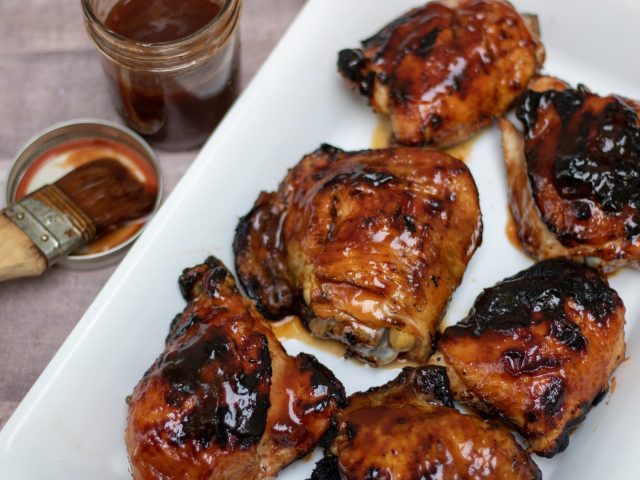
[50, 72]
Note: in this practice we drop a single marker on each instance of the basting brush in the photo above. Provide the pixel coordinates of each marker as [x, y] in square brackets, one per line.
[59, 218]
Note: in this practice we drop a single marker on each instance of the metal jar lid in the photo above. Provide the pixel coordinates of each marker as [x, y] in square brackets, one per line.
[84, 129]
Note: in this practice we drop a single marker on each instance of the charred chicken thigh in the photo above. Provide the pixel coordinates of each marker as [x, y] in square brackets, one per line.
[574, 174]
[224, 400]
[367, 247]
[537, 349]
[408, 429]
[445, 70]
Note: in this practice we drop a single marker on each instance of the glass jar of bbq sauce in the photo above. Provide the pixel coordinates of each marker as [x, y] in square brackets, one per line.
[173, 65]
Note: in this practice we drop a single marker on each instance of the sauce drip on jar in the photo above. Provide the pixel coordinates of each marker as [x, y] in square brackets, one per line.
[160, 20]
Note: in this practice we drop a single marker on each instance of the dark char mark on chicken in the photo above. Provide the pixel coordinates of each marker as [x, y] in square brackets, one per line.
[598, 155]
[231, 380]
[538, 294]
[233, 401]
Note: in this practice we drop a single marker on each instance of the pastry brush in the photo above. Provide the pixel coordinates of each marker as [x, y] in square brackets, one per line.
[62, 217]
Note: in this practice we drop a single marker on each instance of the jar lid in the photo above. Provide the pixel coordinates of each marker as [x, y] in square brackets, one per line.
[59, 149]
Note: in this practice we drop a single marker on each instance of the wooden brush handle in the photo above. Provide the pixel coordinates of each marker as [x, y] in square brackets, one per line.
[19, 257]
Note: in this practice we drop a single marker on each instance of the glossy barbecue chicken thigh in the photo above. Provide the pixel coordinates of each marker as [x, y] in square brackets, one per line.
[224, 400]
[408, 429]
[574, 174]
[367, 247]
[537, 350]
[445, 70]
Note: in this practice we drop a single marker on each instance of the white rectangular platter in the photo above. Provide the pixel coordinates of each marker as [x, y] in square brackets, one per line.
[70, 425]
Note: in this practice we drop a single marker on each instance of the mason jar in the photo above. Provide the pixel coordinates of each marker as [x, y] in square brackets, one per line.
[174, 92]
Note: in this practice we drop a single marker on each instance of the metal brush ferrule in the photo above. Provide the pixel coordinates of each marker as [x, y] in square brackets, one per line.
[53, 222]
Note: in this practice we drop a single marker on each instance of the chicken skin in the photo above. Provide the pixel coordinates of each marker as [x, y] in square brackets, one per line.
[224, 400]
[537, 350]
[367, 247]
[574, 174]
[445, 70]
[408, 429]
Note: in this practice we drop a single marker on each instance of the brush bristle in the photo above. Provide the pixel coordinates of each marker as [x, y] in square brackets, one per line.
[108, 193]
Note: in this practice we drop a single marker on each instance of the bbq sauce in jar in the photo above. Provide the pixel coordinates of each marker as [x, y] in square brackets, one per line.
[160, 20]
[173, 65]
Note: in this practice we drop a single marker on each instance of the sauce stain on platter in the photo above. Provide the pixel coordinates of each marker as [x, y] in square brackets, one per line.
[383, 133]
[511, 231]
[383, 138]
[462, 150]
[291, 328]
